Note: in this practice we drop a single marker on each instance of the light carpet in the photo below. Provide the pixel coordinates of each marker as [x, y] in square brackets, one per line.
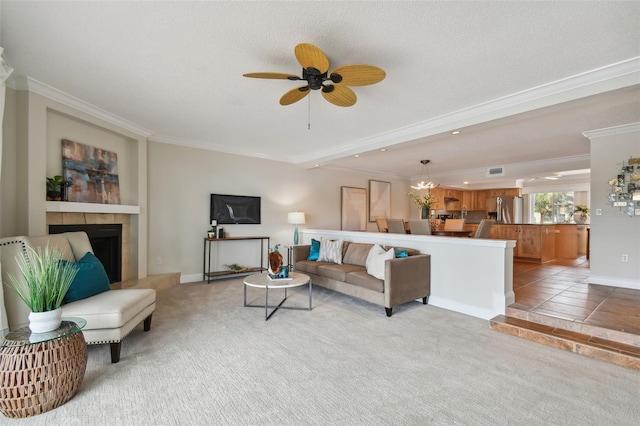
[210, 361]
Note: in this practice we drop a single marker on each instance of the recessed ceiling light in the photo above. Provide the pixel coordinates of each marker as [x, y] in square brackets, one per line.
[456, 132]
[316, 165]
[383, 149]
[466, 182]
[357, 155]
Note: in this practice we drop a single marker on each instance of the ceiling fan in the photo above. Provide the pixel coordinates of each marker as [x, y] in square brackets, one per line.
[315, 71]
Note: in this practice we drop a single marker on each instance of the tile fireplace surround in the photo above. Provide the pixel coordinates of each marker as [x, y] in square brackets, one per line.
[79, 218]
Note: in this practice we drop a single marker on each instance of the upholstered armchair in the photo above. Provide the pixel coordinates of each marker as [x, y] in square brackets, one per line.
[111, 315]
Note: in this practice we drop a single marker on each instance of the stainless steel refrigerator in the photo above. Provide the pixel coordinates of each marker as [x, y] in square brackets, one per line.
[505, 209]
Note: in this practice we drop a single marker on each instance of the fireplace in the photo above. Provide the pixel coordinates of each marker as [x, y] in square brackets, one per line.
[106, 241]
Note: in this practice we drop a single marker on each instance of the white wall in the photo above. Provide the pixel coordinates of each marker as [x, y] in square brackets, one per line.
[613, 233]
[182, 179]
[483, 287]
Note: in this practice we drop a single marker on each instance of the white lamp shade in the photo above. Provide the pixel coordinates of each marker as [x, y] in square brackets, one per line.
[296, 218]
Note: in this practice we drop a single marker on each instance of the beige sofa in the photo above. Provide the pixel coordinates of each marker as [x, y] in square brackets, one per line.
[110, 315]
[405, 279]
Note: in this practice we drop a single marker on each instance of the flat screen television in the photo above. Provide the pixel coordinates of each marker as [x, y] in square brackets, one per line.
[231, 209]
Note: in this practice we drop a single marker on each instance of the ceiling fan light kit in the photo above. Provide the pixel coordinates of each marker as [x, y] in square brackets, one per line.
[315, 71]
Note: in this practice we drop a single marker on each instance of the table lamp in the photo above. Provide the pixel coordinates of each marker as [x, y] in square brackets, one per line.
[295, 218]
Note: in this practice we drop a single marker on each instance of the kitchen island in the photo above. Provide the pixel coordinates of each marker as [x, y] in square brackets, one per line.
[542, 242]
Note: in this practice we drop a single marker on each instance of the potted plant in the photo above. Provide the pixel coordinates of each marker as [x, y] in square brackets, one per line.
[424, 201]
[580, 214]
[54, 188]
[44, 283]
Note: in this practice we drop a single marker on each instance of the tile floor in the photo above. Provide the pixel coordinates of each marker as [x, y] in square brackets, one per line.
[560, 289]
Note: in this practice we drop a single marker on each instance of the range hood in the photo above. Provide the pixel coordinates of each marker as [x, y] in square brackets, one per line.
[450, 199]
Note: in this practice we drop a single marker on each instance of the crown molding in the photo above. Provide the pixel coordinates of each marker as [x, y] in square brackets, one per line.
[217, 148]
[600, 80]
[35, 86]
[610, 131]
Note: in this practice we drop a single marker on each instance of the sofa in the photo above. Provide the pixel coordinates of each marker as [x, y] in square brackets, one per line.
[400, 279]
[111, 315]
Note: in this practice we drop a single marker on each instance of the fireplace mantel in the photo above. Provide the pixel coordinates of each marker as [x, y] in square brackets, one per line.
[72, 207]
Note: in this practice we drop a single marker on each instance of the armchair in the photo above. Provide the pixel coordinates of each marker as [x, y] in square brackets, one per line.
[110, 315]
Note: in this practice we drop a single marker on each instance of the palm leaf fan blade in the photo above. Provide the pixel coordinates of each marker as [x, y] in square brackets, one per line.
[360, 75]
[294, 95]
[341, 96]
[272, 75]
[310, 56]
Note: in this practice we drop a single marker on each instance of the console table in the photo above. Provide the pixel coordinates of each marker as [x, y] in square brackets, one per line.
[208, 275]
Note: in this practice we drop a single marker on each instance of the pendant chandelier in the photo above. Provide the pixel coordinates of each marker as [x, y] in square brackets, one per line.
[425, 182]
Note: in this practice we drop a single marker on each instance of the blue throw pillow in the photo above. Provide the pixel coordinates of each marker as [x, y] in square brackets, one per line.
[90, 280]
[401, 253]
[314, 251]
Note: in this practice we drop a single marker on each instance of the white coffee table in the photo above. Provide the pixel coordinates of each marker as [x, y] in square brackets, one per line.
[263, 281]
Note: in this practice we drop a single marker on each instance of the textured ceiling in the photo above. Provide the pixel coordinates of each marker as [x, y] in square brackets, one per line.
[175, 68]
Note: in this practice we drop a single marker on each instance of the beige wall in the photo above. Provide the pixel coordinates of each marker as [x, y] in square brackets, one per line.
[613, 233]
[182, 179]
[32, 152]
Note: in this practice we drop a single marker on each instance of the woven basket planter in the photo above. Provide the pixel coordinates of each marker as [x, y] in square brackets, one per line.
[39, 377]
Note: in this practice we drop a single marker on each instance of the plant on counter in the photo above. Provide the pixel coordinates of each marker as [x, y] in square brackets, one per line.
[583, 210]
[424, 201]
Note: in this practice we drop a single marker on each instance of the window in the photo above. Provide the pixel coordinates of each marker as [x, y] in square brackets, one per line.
[552, 207]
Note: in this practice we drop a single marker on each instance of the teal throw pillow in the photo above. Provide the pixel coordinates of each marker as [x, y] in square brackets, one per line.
[314, 251]
[90, 280]
[401, 253]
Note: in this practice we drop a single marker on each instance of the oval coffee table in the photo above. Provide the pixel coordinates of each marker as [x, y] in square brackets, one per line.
[263, 281]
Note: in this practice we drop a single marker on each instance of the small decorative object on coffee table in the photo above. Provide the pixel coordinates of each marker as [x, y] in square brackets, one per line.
[41, 371]
[264, 281]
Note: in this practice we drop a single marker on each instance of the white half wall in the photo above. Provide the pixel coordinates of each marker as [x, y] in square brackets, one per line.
[468, 275]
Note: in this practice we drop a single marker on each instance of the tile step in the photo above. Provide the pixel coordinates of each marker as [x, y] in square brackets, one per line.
[572, 341]
[516, 311]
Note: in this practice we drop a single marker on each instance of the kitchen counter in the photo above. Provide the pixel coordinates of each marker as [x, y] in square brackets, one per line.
[542, 242]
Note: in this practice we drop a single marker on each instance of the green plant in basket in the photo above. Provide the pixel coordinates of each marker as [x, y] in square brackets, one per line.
[46, 278]
[583, 210]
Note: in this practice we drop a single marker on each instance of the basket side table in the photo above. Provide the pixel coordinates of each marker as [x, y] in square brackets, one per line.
[41, 371]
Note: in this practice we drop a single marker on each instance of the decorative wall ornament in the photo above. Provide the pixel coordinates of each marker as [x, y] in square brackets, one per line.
[354, 209]
[93, 173]
[379, 200]
[625, 187]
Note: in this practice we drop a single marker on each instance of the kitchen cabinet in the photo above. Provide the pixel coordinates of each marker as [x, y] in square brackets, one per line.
[504, 192]
[453, 194]
[566, 241]
[474, 200]
[533, 242]
[438, 193]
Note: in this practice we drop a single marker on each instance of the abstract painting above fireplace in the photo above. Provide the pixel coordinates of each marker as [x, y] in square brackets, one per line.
[93, 173]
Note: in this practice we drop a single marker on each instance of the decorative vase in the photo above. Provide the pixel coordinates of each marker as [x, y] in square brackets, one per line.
[41, 322]
[424, 213]
[577, 218]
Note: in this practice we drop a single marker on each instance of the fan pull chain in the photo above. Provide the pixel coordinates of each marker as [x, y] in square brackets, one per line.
[309, 114]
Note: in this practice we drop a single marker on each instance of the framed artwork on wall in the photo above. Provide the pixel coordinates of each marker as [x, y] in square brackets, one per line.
[92, 173]
[379, 200]
[354, 209]
[232, 209]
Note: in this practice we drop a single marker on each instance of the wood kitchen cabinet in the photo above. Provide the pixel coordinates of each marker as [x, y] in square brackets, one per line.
[438, 193]
[533, 242]
[474, 200]
[455, 194]
[504, 192]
